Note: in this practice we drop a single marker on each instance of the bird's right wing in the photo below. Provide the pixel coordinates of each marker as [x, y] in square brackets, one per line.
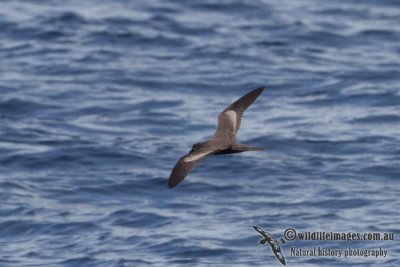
[229, 119]
[260, 231]
[185, 165]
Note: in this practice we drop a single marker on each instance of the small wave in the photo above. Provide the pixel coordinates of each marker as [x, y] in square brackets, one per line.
[351, 203]
[377, 119]
[62, 19]
[21, 107]
[80, 261]
[135, 219]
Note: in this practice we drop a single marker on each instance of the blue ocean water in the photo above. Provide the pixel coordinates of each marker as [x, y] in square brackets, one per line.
[99, 99]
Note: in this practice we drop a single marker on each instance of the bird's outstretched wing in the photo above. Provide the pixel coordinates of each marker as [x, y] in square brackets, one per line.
[271, 240]
[185, 165]
[261, 231]
[229, 119]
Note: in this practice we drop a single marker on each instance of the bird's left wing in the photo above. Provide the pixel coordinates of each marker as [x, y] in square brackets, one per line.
[186, 164]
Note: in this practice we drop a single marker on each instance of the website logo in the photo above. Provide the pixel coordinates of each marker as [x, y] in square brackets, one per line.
[269, 239]
[312, 250]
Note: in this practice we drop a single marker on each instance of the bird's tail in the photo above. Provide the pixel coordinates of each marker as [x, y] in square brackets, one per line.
[250, 148]
[254, 148]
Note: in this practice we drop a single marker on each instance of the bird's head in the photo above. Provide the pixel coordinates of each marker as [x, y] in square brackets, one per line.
[262, 241]
[197, 147]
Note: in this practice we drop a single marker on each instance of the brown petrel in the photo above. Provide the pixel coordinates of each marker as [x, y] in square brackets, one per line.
[223, 141]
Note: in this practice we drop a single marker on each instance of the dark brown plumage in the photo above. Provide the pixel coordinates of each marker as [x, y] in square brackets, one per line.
[223, 141]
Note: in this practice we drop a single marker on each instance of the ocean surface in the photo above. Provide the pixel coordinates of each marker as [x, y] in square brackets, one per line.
[99, 99]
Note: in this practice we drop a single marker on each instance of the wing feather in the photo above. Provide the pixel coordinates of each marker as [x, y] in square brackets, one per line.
[229, 119]
[185, 165]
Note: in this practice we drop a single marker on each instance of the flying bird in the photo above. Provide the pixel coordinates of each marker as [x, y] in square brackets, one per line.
[224, 140]
[271, 240]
